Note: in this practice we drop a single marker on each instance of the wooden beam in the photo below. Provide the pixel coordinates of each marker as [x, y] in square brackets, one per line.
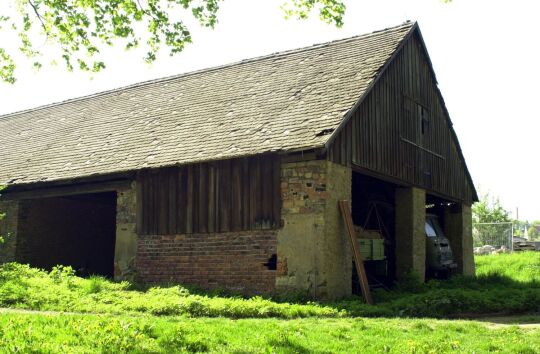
[300, 156]
[63, 191]
[358, 260]
[399, 183]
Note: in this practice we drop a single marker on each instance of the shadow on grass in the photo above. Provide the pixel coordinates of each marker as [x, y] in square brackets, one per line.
[529, 319]
[457, 297]
[461, 297]
[59, 290]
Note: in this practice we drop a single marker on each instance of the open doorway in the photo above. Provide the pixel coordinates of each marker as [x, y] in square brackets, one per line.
[373, 213]
[77, 230]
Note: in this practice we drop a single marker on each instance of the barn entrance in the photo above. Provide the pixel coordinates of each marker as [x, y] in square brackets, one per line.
[77, 230]
[373, 215]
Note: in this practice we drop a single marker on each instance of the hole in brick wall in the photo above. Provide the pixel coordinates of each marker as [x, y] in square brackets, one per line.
[272, 262]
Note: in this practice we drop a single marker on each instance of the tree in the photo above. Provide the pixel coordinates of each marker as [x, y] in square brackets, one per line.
[487, 214]
[534, 230]
[79, 29]
[489, 210]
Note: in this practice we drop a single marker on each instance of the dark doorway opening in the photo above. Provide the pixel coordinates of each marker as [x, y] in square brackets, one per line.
[373, 210]
[78, 231]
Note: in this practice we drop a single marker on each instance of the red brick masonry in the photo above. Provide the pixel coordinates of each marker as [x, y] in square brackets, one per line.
[234, 260]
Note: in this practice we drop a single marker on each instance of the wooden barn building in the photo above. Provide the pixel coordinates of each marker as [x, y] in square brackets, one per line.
[230, 177]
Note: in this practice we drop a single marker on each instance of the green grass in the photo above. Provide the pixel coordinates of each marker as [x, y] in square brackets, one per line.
[519, 266]
[111, 317]
[508, 283]
[117, 334]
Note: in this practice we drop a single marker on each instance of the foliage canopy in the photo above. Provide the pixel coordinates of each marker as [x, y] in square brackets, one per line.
[489, 210]
[79, 29]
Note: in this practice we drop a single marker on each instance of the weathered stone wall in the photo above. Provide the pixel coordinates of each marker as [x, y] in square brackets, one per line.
[313, 250]
[410, 232]
[126, 234]
[458, 229]
[234, 260]
[8, 230]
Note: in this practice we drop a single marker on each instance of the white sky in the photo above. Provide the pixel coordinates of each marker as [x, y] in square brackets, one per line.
[485, 53]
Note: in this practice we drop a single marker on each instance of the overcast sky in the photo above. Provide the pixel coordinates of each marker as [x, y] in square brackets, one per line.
[485, 54]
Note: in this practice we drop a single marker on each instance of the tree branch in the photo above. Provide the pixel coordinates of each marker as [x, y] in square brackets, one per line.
[39, 17]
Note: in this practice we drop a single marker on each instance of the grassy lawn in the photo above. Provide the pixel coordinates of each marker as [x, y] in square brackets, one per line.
[119, 317]
[506, 284]
[115, 334]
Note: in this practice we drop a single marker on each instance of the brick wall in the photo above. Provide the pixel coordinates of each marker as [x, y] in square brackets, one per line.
[232, 260]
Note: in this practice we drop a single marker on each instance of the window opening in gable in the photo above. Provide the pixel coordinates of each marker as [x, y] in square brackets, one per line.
[415, 121]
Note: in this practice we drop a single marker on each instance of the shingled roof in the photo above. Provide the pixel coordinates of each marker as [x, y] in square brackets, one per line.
[279, 102]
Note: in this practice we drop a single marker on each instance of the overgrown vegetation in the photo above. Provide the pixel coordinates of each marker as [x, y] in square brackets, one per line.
[119, 317]
[118, 334]
[506, 283]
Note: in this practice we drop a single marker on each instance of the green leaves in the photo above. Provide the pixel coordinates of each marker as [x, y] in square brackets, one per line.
[489, 210]
[330, 11]
[77, 29]
[7, 67]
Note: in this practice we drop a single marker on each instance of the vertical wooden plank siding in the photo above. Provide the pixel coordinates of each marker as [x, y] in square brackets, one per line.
[246, 196]
[223, 196]
[385, 134]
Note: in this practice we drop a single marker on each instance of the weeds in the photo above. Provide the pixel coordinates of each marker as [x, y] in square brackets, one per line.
[505, 284]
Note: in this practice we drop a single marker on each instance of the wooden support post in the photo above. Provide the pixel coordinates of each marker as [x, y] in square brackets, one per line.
[358, 260]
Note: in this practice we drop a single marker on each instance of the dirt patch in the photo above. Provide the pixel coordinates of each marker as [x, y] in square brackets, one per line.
[522, 321]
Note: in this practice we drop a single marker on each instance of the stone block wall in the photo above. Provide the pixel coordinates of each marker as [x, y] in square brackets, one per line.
[410, 232]
[458, 229]
[314, 255]
[126, 234]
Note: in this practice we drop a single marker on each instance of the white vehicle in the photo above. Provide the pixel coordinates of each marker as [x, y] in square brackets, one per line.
[439, 257]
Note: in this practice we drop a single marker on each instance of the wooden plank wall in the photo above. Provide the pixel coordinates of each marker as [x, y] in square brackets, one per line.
[221, 196]
[385, 137]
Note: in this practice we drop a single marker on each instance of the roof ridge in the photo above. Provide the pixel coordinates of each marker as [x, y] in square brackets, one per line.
[405, 24]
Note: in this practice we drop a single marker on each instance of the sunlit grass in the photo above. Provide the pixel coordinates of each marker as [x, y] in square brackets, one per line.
[505, 284]
[116, 334]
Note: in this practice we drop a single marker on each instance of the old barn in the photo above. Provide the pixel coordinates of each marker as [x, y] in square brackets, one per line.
[230, 177]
